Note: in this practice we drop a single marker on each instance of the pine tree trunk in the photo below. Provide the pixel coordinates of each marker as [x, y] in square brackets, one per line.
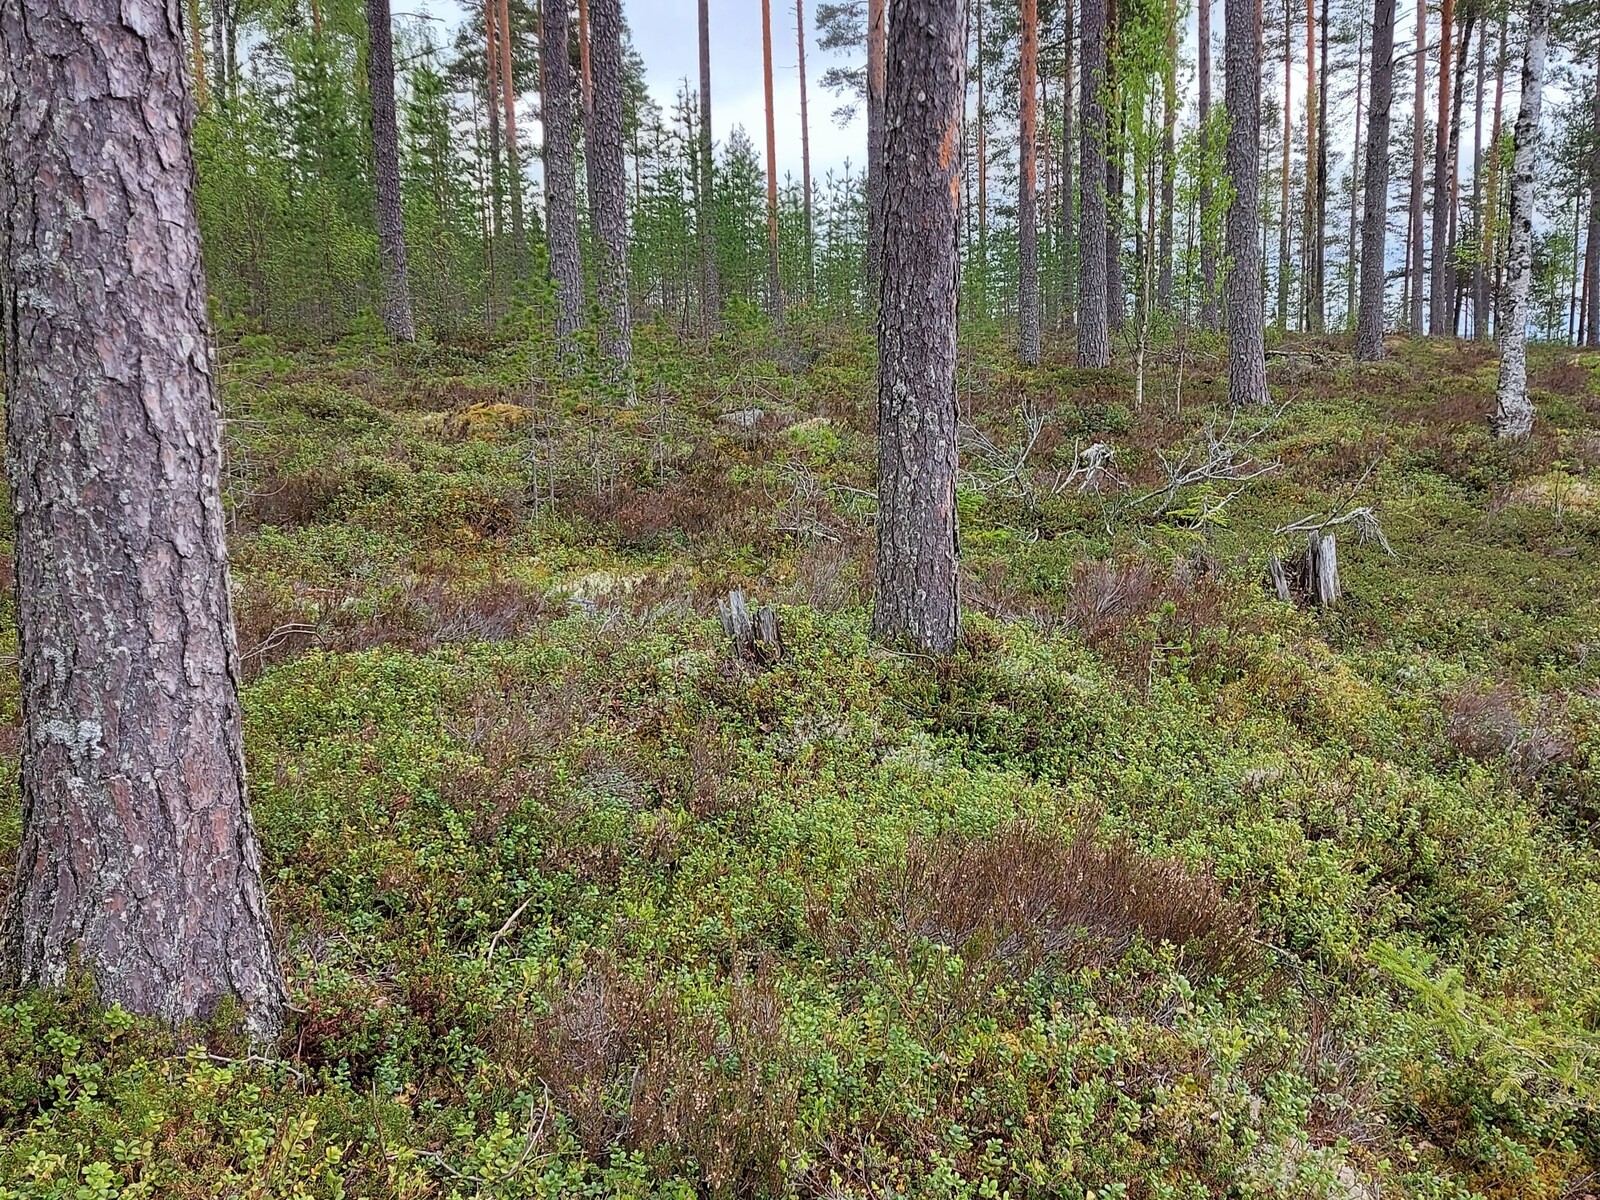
[1116, 138]
[1094, 337]
[805, 144]
[982, 153]
[608, 201]
[508, 97]
[1352, 302]
[1513, 415]
[1478, 323]
[1591, 254]
[1208, 249]
[497, 193]
[710, 281]
[1438, 294]
[138, 860]
[917, 599]
[1453, 175]
[197, 38]
[1247, 363]
[1027, 203]
[877, 35]
[1069, 257]
[1310, 233]
[561, 181]
[219, 51]
[586, 103]
[1319, 224]
[1169, 164]
[774, 282]
[1375, 218]
[1284, 176]
[1488, 284]
[397, 317]
[1416, 268]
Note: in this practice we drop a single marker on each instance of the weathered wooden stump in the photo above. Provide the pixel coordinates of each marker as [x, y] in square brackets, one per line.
[1321, 571]
[754, 640]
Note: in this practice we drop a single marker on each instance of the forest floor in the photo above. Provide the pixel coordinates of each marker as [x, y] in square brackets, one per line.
[1161, 887]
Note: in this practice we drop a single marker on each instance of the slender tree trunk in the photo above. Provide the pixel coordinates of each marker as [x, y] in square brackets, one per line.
[197, 40]
[219, 51]
[561, 181]
[1247, 363]
[1489, 284]
[1208, 248]
[1418, 140]
[710, 283]
[1513, 414]
[917, 566]
[586, 101]
[877, 40]
[983, 172]
[1375, 219]
[1478, 323]
[1438, 294]
[1591, 255]
[774, 282]
[1283, 206]
[397, 317]
[1116, 299]
[1169, 163]
[1069, 257]
[1320, 218]
[1447, 276]
[1352, 244]
[508, 98]
[138, 859]
[805, 143]
[491, 19]
[608, 202]
[1310, 233]
[1027, 211]
[1094, 338]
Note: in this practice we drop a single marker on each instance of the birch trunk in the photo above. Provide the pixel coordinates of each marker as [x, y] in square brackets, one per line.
[1513, 414]
[138, 859]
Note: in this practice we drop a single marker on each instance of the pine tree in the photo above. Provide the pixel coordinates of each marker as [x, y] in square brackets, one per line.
[1208, 249]
[774, 282]
[710, 282]
[608, 203]
[561, 179]
[917, 601]
[1375, 219]
[1094, 337]
[138, 860]
[1416, 254]
[1027, 205]
[397, 318]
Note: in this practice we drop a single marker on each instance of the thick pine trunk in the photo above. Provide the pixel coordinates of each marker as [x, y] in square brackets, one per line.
[608, 199]
[710, 281]
[877, 34]
[1513, 415]
[1439, 293]
[1285, 174]
[1027, 201]
[1116, 138]
[917, 600]
[774, 281]
[1208, 249]
[1094, 337]
[1416, 266]
[1247, 363]
[561, 181]
[138, 859]
[1375, 218]
[397, 318]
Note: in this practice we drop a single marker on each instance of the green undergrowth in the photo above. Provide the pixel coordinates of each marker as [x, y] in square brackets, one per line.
[1158, 888]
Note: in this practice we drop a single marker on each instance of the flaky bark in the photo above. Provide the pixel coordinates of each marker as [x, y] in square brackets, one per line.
[1027, 200]
[608, 200]
[1513, 414]
[1247, 363]
[917, 601]
[561, 180]
[397, 318]
[1094, 335]
[1375, 218]
[138, 858]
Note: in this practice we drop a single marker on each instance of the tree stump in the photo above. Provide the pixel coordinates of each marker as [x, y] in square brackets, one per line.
[1278, 576]
[754, 640]
[1320, 576]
